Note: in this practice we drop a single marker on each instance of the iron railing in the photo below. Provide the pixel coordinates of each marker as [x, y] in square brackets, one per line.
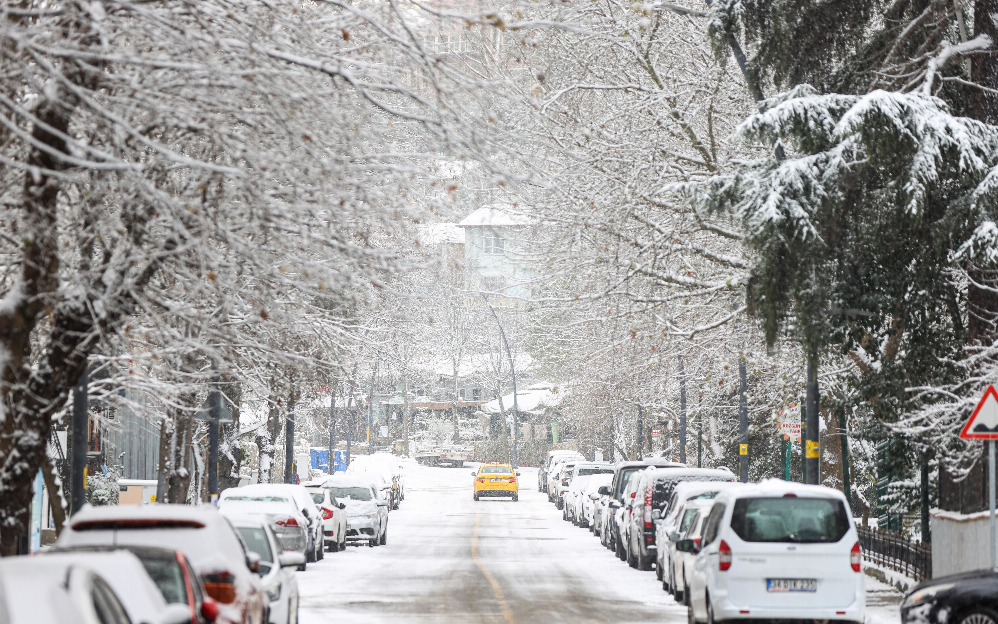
[897, 552]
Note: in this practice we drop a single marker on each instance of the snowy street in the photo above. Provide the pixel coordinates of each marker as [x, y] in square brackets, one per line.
[450, 559]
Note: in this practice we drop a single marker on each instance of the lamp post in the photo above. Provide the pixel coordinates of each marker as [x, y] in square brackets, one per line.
[512, 371]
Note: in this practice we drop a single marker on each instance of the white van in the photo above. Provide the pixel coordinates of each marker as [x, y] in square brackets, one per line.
[777, 550]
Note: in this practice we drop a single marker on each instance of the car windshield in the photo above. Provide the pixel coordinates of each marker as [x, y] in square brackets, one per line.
[259, 498]
[351, 493]
[789, 519]
[665, 485]
[592, 471]
[687, 519]
[256, 541]
[496, 470]
[168, 576]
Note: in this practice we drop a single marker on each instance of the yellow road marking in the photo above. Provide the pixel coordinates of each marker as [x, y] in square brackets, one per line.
[507, 614]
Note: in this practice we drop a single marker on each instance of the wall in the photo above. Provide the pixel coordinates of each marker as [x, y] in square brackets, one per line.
[960, 542]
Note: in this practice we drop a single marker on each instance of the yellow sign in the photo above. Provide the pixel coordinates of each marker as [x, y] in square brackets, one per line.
[84, 477]
[743, 449]
[812, 449]
[152, 499]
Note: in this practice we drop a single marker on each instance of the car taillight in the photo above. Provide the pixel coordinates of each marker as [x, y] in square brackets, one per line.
[221, 586]
[287, 522]
[856, 558]
[696, 540]
[327, 513]
[647, 513]
[723, 556]
[512, 479]
[481, 479]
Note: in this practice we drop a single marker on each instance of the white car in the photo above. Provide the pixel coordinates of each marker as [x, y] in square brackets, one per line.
[694, 516]
[287, 520]
[777, 550]
[675, 520]
[334, 516]
[577, 481]
[367, 510]
[279, 580]
[585, 502]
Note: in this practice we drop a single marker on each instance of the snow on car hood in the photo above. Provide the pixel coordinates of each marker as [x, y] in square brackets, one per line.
[358, 508]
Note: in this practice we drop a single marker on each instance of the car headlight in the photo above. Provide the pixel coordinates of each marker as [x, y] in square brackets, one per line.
[926, 594]
[274, 592]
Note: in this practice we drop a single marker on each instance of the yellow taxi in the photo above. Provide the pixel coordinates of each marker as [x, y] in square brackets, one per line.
[496, 480]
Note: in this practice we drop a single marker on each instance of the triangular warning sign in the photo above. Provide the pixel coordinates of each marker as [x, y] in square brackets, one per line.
[983, 423]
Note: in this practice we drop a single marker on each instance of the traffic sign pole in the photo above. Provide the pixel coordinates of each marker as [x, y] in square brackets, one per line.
[991, 499]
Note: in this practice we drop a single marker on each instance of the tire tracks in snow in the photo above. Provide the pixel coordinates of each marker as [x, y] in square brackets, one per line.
[507, 613]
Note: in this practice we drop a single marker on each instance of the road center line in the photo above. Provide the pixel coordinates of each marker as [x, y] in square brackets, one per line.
[507, 614]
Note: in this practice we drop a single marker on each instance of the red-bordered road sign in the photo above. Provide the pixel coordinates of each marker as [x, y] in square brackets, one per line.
[983, 423]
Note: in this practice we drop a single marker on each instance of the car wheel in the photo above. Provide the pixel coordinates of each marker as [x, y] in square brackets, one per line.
[632, 559]
[302, 567]
[516, 497]
[384, 537]
[293, 613]
[372, 543]
[476, 495]
[320, 551]
[658, 570]
[619, 549]
[978, 615]
[686, 594]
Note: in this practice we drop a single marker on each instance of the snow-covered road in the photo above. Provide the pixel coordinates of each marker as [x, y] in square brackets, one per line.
[450, 559]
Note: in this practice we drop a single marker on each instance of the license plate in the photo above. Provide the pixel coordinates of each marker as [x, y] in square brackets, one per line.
[493, 480]
[792, 585]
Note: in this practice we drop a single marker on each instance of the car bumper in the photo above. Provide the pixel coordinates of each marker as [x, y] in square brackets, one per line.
[724, 609]
[497, 492]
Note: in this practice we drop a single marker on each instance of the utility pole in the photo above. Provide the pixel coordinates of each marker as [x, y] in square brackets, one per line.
[803, 441]
[700, 431]
[641, 434]
[682, 412]
[289, 439]
[214, 415]
[743, 455]
[80, 424]
[370, 405]
[332, 429]
[512, 371]
[846, 486]
[811, 454]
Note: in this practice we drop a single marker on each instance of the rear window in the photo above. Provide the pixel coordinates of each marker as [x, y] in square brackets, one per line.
[495, 470]
[592, 471]
[665, 485]
[688, 518]
[317, 497]
[256, 499]
[789, 519]
[351, 493]
[168, 576]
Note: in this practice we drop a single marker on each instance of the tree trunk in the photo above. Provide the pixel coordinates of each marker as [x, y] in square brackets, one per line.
[457, 431]
[266, 441]
[230, 454]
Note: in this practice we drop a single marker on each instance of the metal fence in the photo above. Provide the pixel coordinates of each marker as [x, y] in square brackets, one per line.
[897, 552]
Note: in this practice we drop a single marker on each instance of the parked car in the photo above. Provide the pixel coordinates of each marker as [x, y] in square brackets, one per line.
[623, 471]
[586, 502]
[545, 467]
[577, 481]
[367, 511]
[171, 572]
[289, 518]
[384, 469]
[654, 489]
[334, 516]
[127, 577]
[674, 574]
[554, 476]
[966, 598]
[279, 581]
[206, 538]
[777, 550]
[675, 519]
[74, 594]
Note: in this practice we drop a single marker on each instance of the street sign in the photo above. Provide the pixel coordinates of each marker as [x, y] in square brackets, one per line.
[656, 432]
[983, 423]
[790, 422]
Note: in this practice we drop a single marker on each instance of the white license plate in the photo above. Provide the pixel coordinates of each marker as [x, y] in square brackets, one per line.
[493, 480]
[792, 585]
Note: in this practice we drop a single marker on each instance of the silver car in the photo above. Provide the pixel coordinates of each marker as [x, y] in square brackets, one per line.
[279, 582]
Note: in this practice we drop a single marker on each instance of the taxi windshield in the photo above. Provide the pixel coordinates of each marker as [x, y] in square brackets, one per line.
[495, 470]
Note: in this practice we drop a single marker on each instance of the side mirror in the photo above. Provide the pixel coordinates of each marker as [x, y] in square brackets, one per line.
[253, 561]
[474, 474]
[343, 505]
[291, 559]
[594, 497]
[209, 610]
[687, 546]
[656, 514]
[382, 503]
[674, 536]
[603, 490]
[305, 511]
[614, 503]
[518, 474]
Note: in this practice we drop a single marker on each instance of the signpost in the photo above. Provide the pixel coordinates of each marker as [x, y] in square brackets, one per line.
[983, 425]
[790, 426]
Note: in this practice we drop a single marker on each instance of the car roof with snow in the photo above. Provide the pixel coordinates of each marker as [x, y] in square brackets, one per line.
[775, 488]
[359, 479]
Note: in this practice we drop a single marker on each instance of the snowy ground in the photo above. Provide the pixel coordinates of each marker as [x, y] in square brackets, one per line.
[450, 559]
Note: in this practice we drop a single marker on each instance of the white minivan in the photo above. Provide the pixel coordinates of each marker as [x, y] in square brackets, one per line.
[777, 550]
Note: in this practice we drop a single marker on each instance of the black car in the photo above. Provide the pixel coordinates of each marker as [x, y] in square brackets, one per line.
[967, 598]
[621, 475]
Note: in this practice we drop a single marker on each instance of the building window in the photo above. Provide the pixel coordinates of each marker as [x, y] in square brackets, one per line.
[461, 393]
[494, 284]
[476, 394]
[442, 44]
[493, 244]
